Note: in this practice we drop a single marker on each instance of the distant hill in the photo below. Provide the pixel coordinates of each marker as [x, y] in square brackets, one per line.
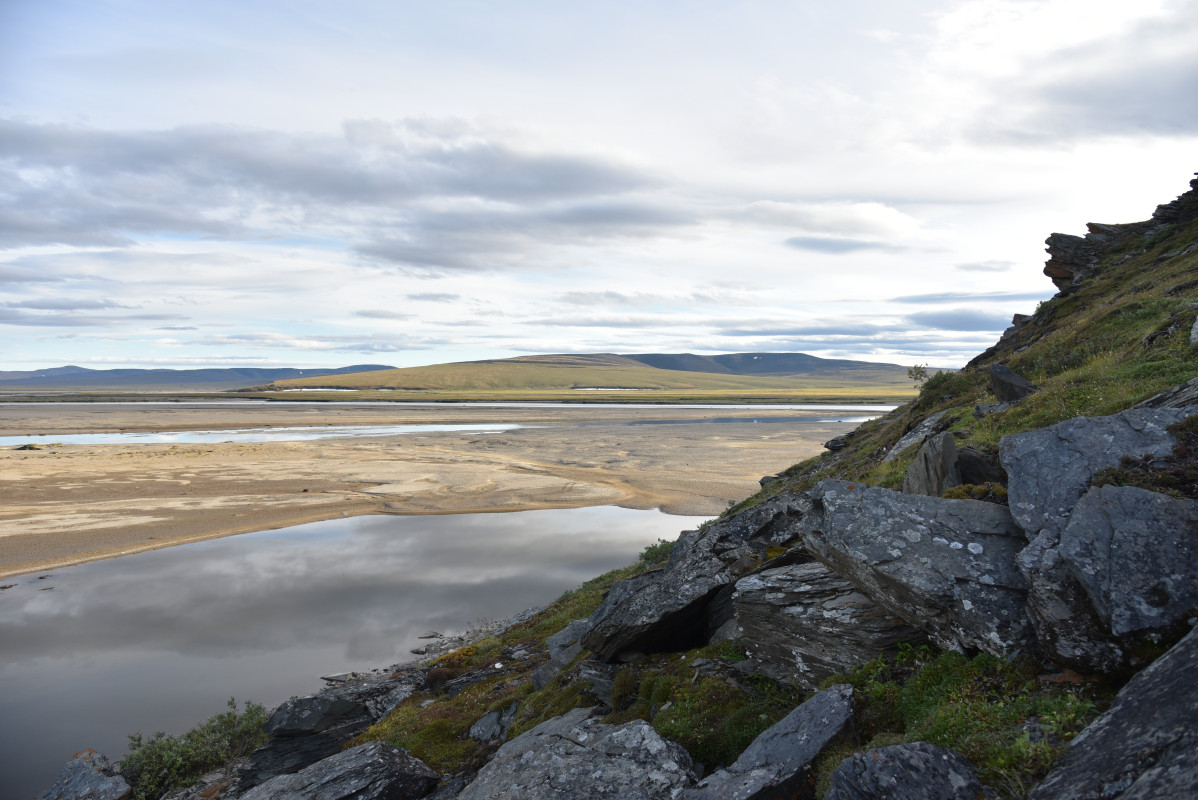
[72, 378]
[608, 375]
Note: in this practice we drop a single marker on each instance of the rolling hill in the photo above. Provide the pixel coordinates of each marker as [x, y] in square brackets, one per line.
[72, 378]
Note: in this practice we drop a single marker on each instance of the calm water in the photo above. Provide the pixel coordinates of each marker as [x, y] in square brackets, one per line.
[281, 434]
[160, 640]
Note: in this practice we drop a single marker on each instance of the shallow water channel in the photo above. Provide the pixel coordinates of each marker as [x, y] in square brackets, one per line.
[160, 640]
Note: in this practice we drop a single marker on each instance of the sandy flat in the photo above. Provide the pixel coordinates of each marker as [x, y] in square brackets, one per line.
[73, 503]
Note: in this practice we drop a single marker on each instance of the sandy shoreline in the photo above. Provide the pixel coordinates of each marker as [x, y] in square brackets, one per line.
[74, 503]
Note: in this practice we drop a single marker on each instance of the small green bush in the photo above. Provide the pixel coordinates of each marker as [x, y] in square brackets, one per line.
[156, 765]
[656, 553]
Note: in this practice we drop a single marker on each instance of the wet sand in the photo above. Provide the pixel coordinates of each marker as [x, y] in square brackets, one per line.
[74, 503]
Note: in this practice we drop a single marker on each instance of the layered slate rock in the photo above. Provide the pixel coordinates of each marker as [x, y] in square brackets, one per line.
[375, 771]
[563, 646]
[1009, 386]
[575, 756]
[918, 771]
[917, 435]
[494, 724]
[1180, 396]
[779, 762]
[804, 623]
[664, 609]
[934, 468]
[947, 566]
[1049, 469]
[1071, 259]
[1124, 573]
[90, 775]
[1145, 746]
[305, 730]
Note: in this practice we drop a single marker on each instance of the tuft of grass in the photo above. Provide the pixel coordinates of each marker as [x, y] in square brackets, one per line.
[160, 763]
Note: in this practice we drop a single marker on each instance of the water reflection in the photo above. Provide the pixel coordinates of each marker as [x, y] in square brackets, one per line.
[159, 640]
[282, 434]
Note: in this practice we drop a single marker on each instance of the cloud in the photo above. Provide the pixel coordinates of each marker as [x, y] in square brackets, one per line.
[961, 319]
[65, 304]
[374, 313]
[433, 297]
[13, 317]
[16, 274]
[339, 343]
[992, 265]
[851, 219]
[820, 244]
[963, 297]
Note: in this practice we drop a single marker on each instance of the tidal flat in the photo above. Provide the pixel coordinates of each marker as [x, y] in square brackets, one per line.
[72, 503]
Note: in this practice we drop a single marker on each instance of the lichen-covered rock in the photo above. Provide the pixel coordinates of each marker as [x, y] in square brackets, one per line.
[1145, 746]
[947, 566]
[803, 623]
[88, 775]
[375, 771]
[665, 609]
[305, 730]
[1051, 468]
[918, 771]
[779, 762]
[575, 756]
[934, 468]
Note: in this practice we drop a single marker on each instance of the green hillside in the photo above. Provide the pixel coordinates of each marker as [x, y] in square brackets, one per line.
[613, 377]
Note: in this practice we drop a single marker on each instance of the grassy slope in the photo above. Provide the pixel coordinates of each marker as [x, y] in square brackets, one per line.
[559, 377]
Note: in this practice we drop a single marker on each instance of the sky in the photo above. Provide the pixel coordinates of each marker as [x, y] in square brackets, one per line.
[391, 182]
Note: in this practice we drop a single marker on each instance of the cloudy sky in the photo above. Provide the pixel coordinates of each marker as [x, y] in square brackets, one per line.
[311, 183]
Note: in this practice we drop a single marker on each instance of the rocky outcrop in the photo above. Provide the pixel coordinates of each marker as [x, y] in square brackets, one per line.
[917, 435]
[934, 468]
[575, 756]
[780, 762]
[1145, 746]
[89, 775]
[494, 725]
[375, 771]
[1072, 258]
[563, 646]
[305, 730]
[1051, 468]
[918, 771]
[804, 623]
[1178, 397]
[665, 609]
[1009, 386]
[947, 566]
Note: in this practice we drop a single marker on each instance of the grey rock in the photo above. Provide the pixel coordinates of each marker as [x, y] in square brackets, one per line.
[305, 730]
[369, 771]
[665, 609]
[838, 442]
[779, 762]
[575, 756]
[494, 724]
[564, 646]
[934, 468]
[986, 409]
[1009, 386]
[917, 435]
[1072, 258]
[1145, 746]
[918, 771]
[947, 566]
[88, 775]
[1178, 397]
[1051, 468]
[976, 467]
[804, 623]
[1135, 553]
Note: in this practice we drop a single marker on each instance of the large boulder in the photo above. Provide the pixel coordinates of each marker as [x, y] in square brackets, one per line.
[305, 730]
[1123, 574]
[803, 623]
[1009, 386]
[946, 566]
[575, 756]
[1145, 746]
[88, 775]
[779, 762]
[917, 435]
[375, 771]
[934, 468]
[665, 609]
[1049, 469]
[918, 771]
